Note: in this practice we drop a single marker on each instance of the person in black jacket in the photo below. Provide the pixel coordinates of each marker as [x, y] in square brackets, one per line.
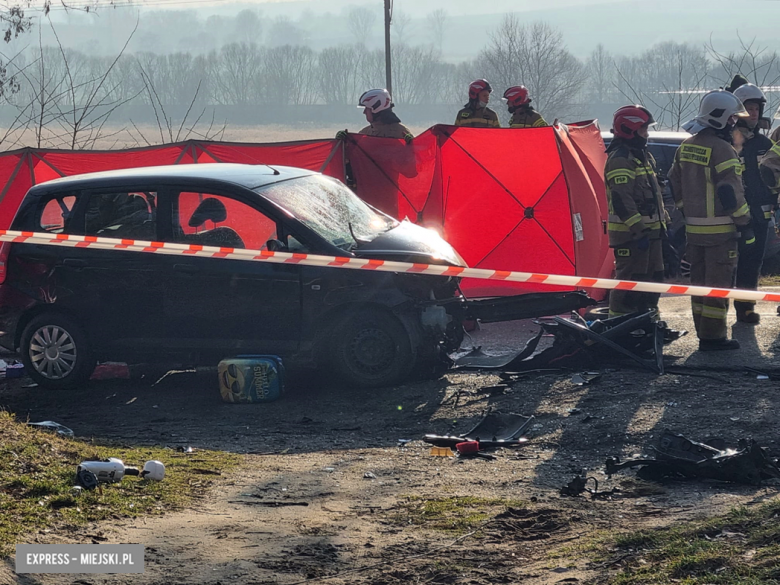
[758, 196]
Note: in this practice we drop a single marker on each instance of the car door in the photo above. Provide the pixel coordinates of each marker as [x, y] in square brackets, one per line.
[223, 304]
[114, 293]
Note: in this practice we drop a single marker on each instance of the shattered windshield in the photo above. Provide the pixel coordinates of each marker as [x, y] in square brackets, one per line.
[330, 209]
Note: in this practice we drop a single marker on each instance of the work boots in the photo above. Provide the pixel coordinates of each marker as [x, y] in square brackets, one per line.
[748, 316]
[718, 344]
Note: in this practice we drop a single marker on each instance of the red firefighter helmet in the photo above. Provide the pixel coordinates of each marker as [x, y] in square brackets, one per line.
[478, 87]
[629, 119]
[517, 96]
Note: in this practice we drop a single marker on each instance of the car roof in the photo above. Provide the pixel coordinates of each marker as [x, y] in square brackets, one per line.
[249, 176]
[668, 137]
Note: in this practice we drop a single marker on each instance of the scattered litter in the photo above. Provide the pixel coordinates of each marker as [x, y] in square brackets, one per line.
[441, 452]
[111, 371]
[472, 449]
[369, 475]
[585, 378]
[330, 469]
[53, 426]
[579, 484]
[762, 377]
[494, 430]
[112, 470]
[133, 399]
[30, 385]
[153, 470]
[678, 456]
[734, 418]
[403, 442]
[181, 449]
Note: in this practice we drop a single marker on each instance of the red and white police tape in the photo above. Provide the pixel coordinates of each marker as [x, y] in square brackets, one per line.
[378, 265]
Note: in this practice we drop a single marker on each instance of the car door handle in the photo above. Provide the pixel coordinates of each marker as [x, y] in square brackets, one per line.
[74, 262]
[188, 268]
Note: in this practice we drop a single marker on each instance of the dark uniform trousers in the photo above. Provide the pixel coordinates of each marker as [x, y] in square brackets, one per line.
[712, 266]
[750, 260]
[631, 263]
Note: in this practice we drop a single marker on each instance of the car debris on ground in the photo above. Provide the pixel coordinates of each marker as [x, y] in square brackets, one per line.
[682, 458]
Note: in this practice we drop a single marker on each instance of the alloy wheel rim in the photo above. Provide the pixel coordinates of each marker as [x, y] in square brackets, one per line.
[53, 352]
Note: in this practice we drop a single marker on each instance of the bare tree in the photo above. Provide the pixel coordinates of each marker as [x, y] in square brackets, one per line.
[361, 21]
[288, 75]
[438, 21]
[248, 28]
[169, 130]
[235, 71]
[283, 31]
[88, 104]
[402, 26]
[535, 56]
[339, 74]
[757, 63]
[668, 78]
[600, 70]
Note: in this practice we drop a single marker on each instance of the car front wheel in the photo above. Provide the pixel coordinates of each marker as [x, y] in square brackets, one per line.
[372, 349]
[56, 352]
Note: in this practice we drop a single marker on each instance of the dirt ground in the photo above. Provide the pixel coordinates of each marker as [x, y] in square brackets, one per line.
[330, 494]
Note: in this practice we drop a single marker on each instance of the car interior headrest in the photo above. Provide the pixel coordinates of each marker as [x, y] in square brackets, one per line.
[209, 209]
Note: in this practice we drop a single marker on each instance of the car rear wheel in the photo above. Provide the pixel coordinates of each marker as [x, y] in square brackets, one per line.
[372, 349]
[56, 352]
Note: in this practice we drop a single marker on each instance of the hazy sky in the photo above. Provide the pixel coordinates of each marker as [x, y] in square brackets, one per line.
[623, 26]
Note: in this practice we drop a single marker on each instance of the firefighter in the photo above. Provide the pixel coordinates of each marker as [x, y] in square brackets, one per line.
[378, 107]
[769, 167]
[758, 196]
[706, 183]
[476, 113]
[523, 113]
[636, 210]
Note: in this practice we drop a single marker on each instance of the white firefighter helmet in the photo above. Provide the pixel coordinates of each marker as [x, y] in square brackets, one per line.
[750, 92]
[376, 100]
[715, 110]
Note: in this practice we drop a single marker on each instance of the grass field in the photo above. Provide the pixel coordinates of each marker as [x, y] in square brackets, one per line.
[37, 471]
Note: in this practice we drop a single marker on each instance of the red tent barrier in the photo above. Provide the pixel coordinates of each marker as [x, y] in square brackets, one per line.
[525, 200]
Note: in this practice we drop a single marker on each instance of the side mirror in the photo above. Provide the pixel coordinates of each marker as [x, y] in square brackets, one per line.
[276, 246]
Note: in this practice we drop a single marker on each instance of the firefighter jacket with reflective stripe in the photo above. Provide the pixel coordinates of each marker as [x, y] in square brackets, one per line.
[770, 168]
[395, 130]
[706, 182]
[479, 118]
[757, 194]
[636, 207]
[526, 118]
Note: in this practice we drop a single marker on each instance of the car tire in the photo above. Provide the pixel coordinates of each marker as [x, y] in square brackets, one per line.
[372, 349]
[56, 352]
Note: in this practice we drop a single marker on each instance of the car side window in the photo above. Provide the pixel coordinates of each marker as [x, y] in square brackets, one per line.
[216, 220]
[122, 214]
[56, 213]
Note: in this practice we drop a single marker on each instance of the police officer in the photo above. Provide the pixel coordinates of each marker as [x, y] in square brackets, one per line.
[758, 197]
[476, 113]
[523, 114]
[377, 105]
[706, 182]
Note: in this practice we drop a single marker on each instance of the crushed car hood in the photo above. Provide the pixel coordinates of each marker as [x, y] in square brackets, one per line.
[408, 241]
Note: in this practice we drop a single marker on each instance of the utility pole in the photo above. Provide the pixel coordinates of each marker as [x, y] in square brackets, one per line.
[388, 66]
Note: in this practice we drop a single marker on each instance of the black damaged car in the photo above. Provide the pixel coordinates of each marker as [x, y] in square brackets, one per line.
[67, 308]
